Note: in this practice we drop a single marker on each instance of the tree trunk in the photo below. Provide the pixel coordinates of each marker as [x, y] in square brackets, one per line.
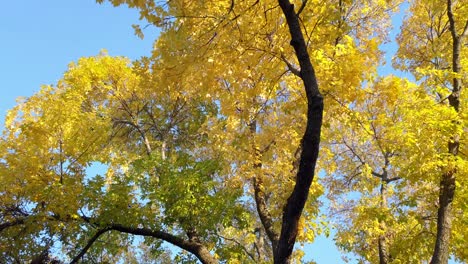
[444, 219]
[383, 251]
[310, 141]
[447, 184]
[259, 194]
[384, 257]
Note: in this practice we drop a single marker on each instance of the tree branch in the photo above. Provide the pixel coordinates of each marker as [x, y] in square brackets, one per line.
[88, 245]
[262, 208]
[304, 3]
[451, 19]
[310, 140]
[194, 247]
[448, 181]
[6, 225]
[267, 147]
[291, 68]
[393, 179]
[176, 241]
[465, 29]
[251, 256]
[264, 213]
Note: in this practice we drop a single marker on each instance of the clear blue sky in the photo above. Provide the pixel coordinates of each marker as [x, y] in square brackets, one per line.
[40, 38]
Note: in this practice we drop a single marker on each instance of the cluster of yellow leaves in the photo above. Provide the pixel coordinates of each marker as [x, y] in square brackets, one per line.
[103, 114]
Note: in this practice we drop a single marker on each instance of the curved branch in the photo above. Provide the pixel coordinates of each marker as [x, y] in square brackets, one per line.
[238, 244]
[260, 201]
[304, 3]
[264, 213]
[88, 245]
[291, 68]
[176, 241]
[310, 141]
[194, 247]
[6, 225]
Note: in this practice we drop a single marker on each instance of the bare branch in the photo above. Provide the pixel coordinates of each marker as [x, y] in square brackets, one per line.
[378, 175]
[304, 3]
[6, 225]
[291, 68]
[194, 247]
[393, 179]
[267, 147]
[239, 244]
[88, 245]
[465, 29]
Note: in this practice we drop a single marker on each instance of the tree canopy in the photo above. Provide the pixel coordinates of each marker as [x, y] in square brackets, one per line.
[211, 143]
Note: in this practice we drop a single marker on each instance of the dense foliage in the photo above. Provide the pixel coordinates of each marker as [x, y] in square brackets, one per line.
[208, 143]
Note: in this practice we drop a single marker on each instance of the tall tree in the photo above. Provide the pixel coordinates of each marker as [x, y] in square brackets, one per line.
[144, 141]
[381, 163]
[432, 48]
[208, 144]
[387, 163]
[309, 143]
[347, 19]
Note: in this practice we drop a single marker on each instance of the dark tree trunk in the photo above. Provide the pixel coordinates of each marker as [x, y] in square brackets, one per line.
[310, 141]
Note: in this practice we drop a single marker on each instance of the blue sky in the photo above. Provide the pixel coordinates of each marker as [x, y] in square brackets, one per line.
[40, 38]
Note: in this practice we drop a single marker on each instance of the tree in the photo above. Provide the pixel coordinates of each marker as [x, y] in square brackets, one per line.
[258, 40]
[381, 162]
[210, 28]
[209, 144]
[443, 28]
[108, 118]
[390, 158]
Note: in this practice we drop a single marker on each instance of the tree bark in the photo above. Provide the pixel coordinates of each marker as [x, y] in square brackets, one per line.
[384, 257]
[310, 140]
[77, 258]
[447, 184]
[444, 219]
[383, 250]
[264, 213]
[193, 246]
[259, 194]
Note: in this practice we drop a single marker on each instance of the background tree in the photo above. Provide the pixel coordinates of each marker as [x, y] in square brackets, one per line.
[437, 32]
[109, 119]
[378, 162]
[388, 160]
